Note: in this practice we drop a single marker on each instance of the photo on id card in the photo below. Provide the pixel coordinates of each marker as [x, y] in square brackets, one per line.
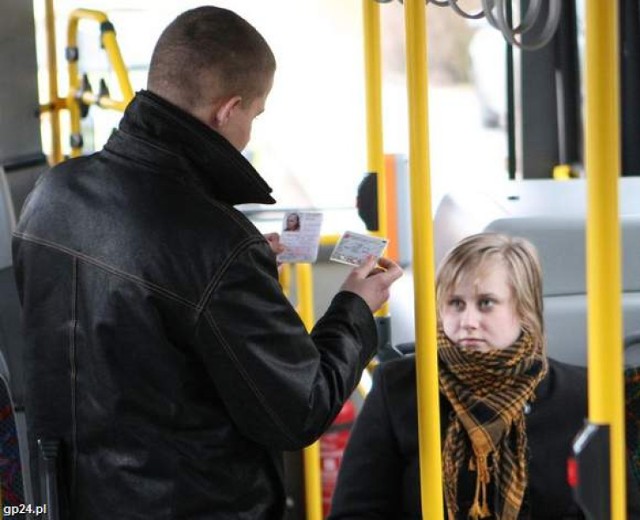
[300, 236]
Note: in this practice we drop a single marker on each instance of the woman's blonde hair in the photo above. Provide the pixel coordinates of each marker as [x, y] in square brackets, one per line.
[519, 257]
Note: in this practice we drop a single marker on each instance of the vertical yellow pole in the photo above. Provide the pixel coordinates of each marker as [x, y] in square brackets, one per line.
[373, 100]
[373, 97]
[605, 356]
[312, 480]
[285, 279]
[423, 262]
[304, 288]
[54, 112]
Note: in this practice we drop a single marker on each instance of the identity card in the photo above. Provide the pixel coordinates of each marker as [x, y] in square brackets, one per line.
[353, 248]
[300, 236]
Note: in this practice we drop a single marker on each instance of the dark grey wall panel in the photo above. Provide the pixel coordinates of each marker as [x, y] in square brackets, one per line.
[19, 120]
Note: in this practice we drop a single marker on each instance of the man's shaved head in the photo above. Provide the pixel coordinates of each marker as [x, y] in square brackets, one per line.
[208, 53]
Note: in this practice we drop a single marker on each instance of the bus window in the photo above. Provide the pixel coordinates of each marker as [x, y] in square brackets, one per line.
[312, 136]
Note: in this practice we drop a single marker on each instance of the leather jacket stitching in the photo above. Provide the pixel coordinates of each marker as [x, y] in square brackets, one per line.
[73, 373]
[259, 395]
[240, 248]
[102, 265]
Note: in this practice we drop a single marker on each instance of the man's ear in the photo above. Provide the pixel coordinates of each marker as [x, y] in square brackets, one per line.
[223, 110]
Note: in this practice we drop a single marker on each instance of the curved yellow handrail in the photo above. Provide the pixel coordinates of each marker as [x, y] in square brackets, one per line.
[76, 94]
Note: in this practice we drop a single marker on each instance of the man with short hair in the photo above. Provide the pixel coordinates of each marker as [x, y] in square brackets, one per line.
[161, 350]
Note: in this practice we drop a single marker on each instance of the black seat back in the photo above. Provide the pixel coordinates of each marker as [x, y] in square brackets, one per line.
[11, 479]
[11, 342]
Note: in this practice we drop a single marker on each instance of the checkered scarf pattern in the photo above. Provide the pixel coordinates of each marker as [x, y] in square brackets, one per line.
[488, 393]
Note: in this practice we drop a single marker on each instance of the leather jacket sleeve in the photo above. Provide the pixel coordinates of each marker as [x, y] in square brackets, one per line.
[281, 386]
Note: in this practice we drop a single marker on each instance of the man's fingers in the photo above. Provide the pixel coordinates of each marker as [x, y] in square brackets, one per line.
[372, 279]
[373, 266]
[363, 270]
[392, 271]
[386, 263]
[274, 243]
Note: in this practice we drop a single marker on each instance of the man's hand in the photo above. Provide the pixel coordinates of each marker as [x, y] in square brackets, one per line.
[371, 281]
[276, 246]
[274, 242]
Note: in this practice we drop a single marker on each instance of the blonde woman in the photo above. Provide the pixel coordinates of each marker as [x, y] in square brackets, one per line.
[508, 413]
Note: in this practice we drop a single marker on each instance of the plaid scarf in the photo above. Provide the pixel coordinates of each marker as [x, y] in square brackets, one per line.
[488, 393]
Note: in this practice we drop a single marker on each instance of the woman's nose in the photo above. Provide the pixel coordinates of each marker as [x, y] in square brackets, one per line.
[469, 318]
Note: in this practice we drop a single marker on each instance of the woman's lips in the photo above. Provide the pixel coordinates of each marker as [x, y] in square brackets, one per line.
[472, 342]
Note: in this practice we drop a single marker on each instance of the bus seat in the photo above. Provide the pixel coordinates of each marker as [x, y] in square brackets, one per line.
[406, 349]
[561, 245]
[463, 212]
[15, 467]
[11, 474]
[632, 408]
[22, 178]
[11, 340]
[11, 343]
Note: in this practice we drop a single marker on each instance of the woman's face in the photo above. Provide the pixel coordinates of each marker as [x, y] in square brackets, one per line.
[292, 221]
[480, 311]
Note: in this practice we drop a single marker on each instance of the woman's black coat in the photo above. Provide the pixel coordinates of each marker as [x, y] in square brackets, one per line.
[379, 476]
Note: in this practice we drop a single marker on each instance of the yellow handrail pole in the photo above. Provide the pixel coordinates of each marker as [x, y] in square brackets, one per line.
[75, 95]
[423, 262]
[285, 278]
[373, 100]
[304, 289]
[115, 58]
[74, 86]
[52, 64]
[89, 98]
[110, 44]
[605, 355]
[312, 479]
[329, 240]
[312, 482]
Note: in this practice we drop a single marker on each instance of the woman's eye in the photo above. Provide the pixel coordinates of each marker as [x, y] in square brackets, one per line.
[486, 303]
[456, 304]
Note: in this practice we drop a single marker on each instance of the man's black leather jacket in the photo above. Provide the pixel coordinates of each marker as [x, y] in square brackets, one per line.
[160, 347]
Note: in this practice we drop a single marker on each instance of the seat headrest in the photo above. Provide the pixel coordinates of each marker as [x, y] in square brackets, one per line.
[561, 246]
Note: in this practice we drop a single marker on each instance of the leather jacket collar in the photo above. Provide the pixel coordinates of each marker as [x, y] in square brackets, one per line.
[156, 132]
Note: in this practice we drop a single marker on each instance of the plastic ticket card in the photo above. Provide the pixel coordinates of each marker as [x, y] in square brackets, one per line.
[300, 236]
[353, 248]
